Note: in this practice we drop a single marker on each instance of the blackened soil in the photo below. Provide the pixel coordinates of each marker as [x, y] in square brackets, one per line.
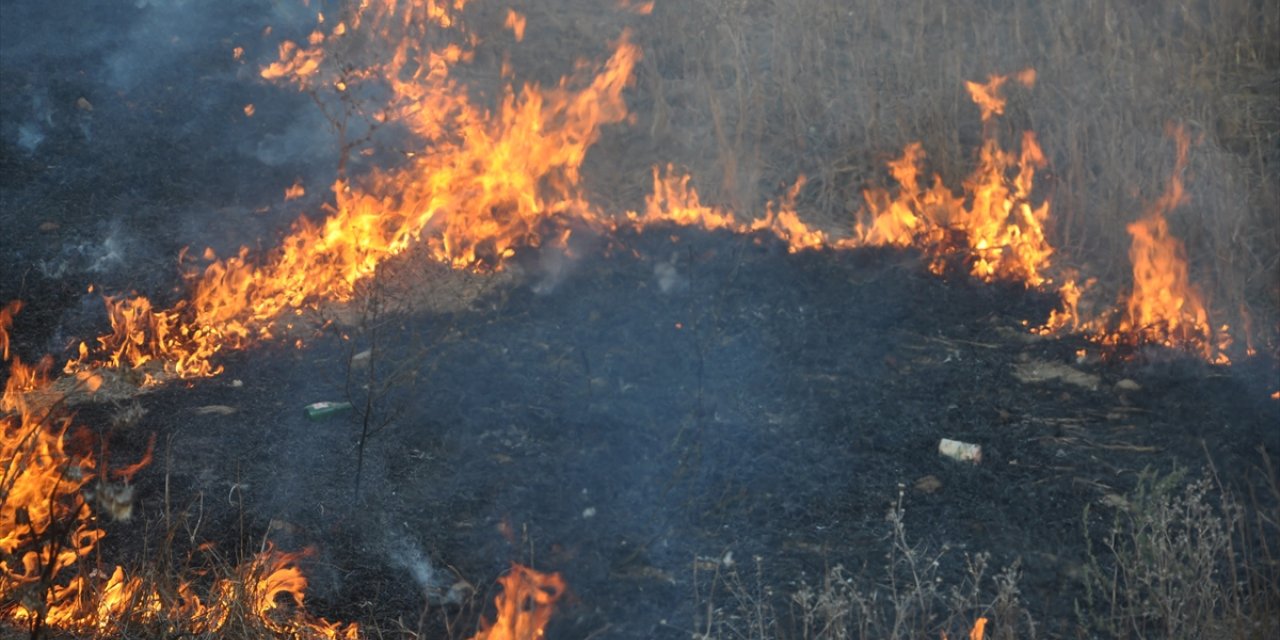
[766, 404]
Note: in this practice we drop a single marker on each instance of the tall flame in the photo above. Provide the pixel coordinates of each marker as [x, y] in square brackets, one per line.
[44, 519]
[1164, 307]
[482, 184]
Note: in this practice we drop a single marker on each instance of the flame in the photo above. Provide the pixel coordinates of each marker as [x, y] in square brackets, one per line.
[478, 184]
[978, 632]
[516, 23]
[1164, 307]
[7, 312]
[44, 518]
[47, 529]
[988, 96]
[979, 629]
[524, 606]
[483, 184]
[993, 224]
[675, 202]
[642, 8]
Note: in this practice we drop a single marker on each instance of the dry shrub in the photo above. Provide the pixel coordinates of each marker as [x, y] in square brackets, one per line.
[1184, 560]
[907, 599]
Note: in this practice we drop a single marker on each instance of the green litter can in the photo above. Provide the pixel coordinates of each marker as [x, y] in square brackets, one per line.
[325, 410]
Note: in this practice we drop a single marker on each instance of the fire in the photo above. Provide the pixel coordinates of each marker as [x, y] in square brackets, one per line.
[44, 518]
[48, 529]
[478, 184]
[978, 632]
[483, 184]
[674, 201]
[993, 225]
[524, 606]
[1165, 308]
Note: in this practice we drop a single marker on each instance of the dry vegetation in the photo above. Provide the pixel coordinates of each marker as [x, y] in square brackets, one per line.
[746, 94]
[1179, 560]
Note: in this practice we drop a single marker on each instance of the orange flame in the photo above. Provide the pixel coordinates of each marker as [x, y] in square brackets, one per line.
[993, 225]
[44, 518]
[978, 632]
[524, 606]
[47, 529]
[485, 184]
[516, 23]
[1165, 308]
[294, 192]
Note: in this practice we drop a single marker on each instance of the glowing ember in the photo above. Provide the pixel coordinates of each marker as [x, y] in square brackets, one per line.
[524, 606]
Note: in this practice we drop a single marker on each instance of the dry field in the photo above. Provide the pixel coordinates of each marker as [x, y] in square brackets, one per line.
[486, 405]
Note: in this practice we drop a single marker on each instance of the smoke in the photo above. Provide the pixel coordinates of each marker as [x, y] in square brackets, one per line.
[668, 276]
[555, 261]
[439, 586]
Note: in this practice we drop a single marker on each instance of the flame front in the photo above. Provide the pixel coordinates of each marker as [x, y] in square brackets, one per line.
[478, 184]
[482, 184]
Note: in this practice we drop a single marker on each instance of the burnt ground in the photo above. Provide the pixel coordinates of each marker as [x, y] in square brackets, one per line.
[769, 404]
[766, 404]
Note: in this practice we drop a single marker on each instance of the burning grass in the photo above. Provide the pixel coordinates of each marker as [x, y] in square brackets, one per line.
[480, 180]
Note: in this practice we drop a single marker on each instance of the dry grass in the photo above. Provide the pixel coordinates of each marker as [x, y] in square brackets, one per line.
[749, 93]
[1178, 560]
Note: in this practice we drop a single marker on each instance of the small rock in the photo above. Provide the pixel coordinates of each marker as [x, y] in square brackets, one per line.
[49, 226]
[1128, 385]
[84, 105]
[1043, 371]
[928, 484]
